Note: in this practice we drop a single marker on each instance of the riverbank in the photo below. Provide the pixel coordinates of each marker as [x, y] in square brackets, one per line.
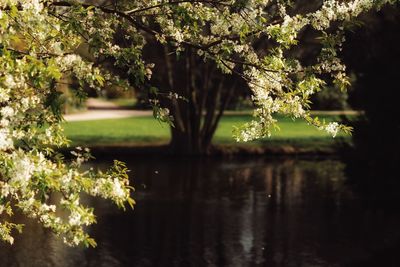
[161, 150]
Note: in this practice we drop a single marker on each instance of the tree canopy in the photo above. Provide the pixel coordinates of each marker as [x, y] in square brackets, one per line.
[39, 47]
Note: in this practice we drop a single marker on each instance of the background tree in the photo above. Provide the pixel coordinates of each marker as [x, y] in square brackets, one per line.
[208, 90]
[372, 55]
[195, 92]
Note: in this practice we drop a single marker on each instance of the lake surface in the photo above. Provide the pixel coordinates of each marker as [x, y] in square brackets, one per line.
[256, 212]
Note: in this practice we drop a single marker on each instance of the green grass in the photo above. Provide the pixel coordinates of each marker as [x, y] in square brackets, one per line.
[146, 130]
[292, 132]
[138, 130]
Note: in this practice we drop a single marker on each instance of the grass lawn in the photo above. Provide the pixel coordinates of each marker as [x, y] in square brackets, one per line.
[146, 130]
[292, 132]
[135, 131]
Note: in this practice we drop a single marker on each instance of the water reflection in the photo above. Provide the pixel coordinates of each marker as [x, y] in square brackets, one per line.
[224, 213]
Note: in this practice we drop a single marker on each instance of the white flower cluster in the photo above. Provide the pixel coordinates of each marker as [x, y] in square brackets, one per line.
[107, 188]
[333, 10]
[33, 5]
[332, 128]
[5, 140]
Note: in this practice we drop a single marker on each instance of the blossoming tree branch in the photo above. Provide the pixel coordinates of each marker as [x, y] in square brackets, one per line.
[39, 40]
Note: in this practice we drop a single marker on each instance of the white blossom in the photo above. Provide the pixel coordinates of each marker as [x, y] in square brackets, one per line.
[117, 189]
[5, 140]
[7, 112]
[74, 218]
[332, 128]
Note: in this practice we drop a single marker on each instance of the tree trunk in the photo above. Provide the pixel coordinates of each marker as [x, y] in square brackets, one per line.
[184, 144]
[207, 92]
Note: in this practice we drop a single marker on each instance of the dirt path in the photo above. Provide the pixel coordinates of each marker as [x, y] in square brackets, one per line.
[99, 109]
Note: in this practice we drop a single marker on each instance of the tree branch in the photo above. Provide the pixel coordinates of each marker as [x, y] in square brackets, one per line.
[176, 3]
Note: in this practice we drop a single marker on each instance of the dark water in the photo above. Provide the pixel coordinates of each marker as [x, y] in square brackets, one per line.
[227, 213]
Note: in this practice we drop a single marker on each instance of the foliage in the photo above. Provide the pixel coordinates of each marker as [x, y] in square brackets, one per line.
[330, 99]
[39, 40]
